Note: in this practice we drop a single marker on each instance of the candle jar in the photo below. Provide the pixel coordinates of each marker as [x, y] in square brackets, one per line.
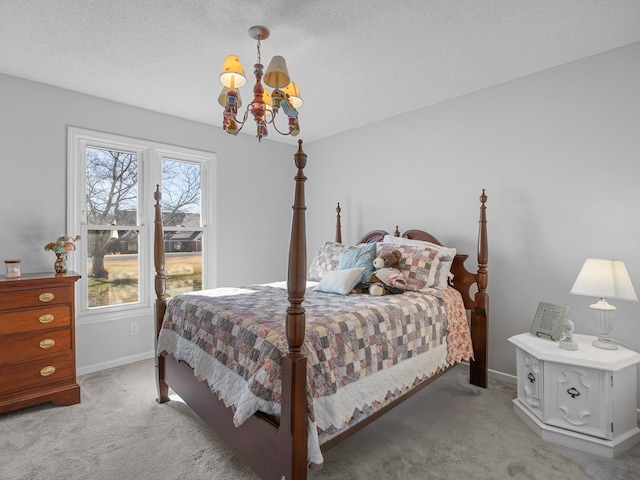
[13, 268]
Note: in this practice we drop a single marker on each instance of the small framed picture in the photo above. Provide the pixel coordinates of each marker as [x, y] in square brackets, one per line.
[549, 321]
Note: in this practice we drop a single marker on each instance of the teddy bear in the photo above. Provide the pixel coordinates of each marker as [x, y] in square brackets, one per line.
[386, 278]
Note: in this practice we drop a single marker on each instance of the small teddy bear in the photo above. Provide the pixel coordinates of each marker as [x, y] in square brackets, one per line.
[387, 278]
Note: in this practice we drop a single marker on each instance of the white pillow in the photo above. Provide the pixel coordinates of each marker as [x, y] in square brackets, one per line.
[445, 272]
[340, 281]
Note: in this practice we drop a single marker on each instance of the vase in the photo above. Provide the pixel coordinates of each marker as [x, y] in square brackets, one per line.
[61, 262]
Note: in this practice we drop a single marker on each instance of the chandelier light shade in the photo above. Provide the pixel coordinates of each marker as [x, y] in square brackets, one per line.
[265, 105]
[604, 278]
[277, 75]
[222, 98]
[292, 92]
[232, 75]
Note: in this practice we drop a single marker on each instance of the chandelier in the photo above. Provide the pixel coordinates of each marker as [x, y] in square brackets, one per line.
[265, 105]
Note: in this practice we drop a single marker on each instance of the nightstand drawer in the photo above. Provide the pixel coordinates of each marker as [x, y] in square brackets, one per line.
[22, 376]
[35, 319]
[34, 345]
[36, 297]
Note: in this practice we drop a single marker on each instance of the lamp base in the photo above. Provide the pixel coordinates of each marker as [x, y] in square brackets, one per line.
[605, 344]
[603, 319]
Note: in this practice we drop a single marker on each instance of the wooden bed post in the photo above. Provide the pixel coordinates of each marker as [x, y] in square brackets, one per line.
[479, 323]
[293, 419]
[161, 302]
[338, 225]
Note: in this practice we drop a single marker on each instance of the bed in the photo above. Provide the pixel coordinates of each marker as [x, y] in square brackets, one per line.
[280, 390]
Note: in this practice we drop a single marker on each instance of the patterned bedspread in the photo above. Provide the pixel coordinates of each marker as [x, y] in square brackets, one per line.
[234, 339]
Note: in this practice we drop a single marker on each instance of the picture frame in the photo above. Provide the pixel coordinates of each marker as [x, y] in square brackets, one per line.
[549, 321]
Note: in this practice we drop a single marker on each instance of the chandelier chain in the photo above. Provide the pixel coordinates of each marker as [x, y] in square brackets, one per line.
[258, 46]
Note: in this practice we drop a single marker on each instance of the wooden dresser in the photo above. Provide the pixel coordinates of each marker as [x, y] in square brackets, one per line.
[37, 340]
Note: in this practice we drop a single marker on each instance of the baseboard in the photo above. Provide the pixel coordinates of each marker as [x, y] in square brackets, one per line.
[503, 377]
[500, 376]
[96, 367]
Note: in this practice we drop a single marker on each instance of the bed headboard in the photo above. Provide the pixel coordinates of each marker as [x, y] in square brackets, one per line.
[463, 279]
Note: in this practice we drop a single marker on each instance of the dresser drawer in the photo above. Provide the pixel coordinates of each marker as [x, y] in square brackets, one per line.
[36, 297]
[36, 373]
[34, 345]
[35, 319]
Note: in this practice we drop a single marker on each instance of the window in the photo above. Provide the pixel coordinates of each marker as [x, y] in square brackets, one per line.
[111, 180]
[181, 212]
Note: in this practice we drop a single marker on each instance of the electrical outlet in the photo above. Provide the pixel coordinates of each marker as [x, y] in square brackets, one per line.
[133, 328]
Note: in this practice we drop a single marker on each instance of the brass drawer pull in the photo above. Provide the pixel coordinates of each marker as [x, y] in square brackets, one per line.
[47, 318]
[47, 343]
[46, 371]
[46, 297]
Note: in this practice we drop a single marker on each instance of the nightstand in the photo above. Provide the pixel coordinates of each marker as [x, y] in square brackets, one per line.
[584, 399]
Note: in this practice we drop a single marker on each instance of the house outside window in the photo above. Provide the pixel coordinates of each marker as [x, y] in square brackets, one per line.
[111, 181]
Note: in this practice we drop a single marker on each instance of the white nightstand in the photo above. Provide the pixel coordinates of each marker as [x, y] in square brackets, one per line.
[584, 399]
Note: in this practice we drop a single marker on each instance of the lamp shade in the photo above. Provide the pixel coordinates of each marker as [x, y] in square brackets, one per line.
[222, 98]
[604, 278]
[294, 95]
[277, 75]
[232, 75]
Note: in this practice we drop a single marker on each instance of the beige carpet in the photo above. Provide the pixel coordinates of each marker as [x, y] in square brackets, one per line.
[450, 430]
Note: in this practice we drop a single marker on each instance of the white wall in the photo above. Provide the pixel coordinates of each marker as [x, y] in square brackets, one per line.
[559, 155]
[254, 195]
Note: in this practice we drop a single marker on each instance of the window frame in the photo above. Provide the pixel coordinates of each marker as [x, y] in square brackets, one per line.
[150, 156]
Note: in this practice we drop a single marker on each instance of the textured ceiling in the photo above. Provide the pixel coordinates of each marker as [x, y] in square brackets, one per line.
[356, 62]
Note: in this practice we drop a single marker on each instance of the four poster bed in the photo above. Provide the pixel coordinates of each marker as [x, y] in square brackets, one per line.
[286, 386]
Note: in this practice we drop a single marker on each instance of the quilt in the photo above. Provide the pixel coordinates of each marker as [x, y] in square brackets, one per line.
[362, 351]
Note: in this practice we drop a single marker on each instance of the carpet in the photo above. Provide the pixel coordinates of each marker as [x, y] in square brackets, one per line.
[449, 430]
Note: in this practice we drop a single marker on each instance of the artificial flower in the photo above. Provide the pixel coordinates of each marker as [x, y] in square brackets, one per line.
[63, 243]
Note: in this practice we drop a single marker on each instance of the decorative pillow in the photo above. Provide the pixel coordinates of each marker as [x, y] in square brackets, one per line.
[444, 272]
[361, 256]
[423, 267]
[326, 260]
[340, 281]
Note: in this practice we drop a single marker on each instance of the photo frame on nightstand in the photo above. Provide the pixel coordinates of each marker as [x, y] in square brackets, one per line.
[549, 321]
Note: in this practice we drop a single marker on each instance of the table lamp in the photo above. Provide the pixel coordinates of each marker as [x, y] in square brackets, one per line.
[604, 278]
